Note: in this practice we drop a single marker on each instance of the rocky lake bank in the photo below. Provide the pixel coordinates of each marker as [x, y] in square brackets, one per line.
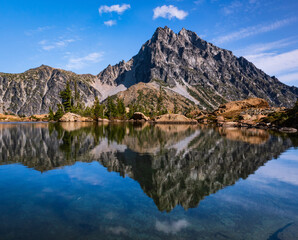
[250, 113]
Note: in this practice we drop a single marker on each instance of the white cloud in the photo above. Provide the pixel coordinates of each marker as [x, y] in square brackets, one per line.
[237, 6]
[171, 227]
[49, 46]
[279, 170]
[114, 8]
[269, 58]
[42, 42]
[288, 78]
[263, 47]
[198, 2]
[169, 12]
[253, 30]
[118, 230]
[110, 23]
[80, 62]
[78, 173]
[37, 30]
[234, 6]
[64, 42]
[275, 64]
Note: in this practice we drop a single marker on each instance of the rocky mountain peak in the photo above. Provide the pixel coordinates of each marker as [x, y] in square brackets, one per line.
[188, 35]
[163, 30]
[41, 68]
[162, 34]
[192, 66]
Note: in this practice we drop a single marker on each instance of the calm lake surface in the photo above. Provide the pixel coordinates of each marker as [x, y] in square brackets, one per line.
[90, 181]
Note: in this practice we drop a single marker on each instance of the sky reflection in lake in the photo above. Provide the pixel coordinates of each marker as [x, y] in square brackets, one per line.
[86, 181]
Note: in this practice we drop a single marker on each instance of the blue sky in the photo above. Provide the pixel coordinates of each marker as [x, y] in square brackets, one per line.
[86, 36]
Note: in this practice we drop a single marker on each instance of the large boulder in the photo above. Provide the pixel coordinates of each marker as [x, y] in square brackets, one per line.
[140, 116]
[238, 106]
[72, 117]
[174, 118]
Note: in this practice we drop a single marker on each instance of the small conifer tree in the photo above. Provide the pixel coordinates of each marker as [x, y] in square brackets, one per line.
[159, 101]
[66, 97]
[59, 112]
[97, 109]
[120, 107]
[175, 106]
[51, 114]
[111, 108]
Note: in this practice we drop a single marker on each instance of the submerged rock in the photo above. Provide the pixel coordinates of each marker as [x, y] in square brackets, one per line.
[288, 130]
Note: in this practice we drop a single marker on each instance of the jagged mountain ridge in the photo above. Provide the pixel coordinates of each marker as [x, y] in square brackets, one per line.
[188, 64]
[35, 90]
[183, 63]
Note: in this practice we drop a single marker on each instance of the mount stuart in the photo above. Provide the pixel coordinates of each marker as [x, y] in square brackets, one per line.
[190, 72]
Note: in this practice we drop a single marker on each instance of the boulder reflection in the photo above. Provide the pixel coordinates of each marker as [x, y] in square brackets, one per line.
[174, 164]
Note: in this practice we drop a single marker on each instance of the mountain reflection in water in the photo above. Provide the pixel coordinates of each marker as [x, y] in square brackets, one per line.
[174, 164]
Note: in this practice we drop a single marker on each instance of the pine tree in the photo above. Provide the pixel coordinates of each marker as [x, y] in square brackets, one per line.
[78, 106]
[66, 98]
[102, 111]
[175, 106]
[140, 97]
[51, 114]
[88, 112]
[77, 96]
[132, 109]
[97, 109]
[159, 101]
[120, 107]
[59, 112]
[111, 108]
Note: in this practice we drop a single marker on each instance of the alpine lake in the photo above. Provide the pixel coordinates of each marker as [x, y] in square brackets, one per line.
[142, 181]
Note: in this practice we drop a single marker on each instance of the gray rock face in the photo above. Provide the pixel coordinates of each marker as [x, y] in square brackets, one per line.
[212, 75]
[35, 90]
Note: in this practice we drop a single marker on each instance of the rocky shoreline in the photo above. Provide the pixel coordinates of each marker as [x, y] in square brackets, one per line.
[257, 125]
[223, 124]
[250, 113]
